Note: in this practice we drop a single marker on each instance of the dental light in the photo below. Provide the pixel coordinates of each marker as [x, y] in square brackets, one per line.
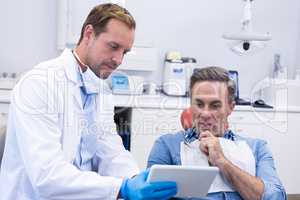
[247, 41]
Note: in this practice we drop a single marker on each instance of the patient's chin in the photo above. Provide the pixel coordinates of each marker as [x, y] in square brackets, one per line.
[207, 129]
[213, 130]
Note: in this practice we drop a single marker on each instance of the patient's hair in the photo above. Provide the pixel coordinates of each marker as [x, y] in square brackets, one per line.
[213, 73]
[100, 15]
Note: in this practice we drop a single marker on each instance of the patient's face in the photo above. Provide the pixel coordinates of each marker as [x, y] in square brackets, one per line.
[210, 107]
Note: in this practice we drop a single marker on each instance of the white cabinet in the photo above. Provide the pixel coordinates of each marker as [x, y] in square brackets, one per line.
[252, 123]
[4, 107]
[147, 125]
[285, 148]
[279, 129]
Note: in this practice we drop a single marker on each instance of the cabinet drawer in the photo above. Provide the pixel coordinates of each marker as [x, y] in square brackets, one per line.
[139, 113]
[154, 121]
[258, 117]
[141, 146]
[147, 125]
[243, 117]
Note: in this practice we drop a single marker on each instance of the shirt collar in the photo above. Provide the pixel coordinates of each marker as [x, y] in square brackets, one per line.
[191, 135]
[229, 135]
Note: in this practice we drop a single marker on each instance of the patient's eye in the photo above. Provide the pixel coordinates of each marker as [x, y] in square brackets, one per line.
[199, 104]
[216, 105]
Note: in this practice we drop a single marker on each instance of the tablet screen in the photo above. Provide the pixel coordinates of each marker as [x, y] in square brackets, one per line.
[192, 181]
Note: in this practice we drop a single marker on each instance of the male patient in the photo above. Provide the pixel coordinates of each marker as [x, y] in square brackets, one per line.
[246, 166]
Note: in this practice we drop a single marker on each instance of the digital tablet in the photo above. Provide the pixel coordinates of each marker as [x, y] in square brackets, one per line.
[192, 181]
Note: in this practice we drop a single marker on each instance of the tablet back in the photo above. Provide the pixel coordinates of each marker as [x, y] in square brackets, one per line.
[192, 181]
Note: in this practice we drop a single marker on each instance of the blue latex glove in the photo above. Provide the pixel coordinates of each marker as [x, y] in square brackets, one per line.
[137, 188]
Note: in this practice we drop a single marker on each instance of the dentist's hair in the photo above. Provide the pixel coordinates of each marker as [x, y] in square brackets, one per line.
[214, 74]
[100, 15]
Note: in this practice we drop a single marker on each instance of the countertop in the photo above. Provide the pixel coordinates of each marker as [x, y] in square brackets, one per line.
[169, 102]
[162, 101]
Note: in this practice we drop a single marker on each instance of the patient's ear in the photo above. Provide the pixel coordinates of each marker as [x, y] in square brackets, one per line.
[231, 107]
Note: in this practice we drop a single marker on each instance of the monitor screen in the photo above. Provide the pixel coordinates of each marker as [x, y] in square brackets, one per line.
[235, 77]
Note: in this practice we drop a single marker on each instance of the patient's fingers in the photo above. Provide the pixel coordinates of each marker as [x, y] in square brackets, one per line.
[204, 147]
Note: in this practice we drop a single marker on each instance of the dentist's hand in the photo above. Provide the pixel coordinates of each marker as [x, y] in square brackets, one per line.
[137, 188]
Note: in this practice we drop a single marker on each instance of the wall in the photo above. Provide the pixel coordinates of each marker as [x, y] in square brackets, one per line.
[195, 29]
[28, 33]
[298, 46]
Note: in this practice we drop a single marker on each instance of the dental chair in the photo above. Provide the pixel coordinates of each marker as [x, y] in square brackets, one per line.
[186, 118]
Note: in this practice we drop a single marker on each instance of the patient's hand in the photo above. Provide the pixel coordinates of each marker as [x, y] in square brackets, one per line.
[210, 145]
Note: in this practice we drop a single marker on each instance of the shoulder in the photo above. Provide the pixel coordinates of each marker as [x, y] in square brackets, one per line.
[35, 88]
[171, 138]
[166, 149]
[259, 147]
[48, 73]
[169, 143]
[252, 142]
[42, 72]
[58, 63]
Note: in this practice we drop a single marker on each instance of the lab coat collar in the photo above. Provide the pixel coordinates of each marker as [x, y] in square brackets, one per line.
[89, 79]
[71, 66]
[73, 74]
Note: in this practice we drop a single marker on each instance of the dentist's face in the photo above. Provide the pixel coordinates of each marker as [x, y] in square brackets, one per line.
[210, 107]
[106, 51]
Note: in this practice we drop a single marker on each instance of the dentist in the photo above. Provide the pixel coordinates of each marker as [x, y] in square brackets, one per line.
[61, 138]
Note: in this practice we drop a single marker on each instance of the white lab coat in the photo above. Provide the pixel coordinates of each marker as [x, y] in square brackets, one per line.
[43, 135]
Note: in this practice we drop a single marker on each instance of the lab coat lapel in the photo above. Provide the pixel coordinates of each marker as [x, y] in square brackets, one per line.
[72, 76]
[73, 127]
[73, 108]
[77, 99]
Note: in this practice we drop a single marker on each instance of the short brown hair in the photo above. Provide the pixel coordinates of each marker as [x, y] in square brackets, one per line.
[100, 15]
[214, 74]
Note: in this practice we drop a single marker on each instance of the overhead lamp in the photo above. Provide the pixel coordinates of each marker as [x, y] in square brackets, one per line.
[247, 47]
[247, 41]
